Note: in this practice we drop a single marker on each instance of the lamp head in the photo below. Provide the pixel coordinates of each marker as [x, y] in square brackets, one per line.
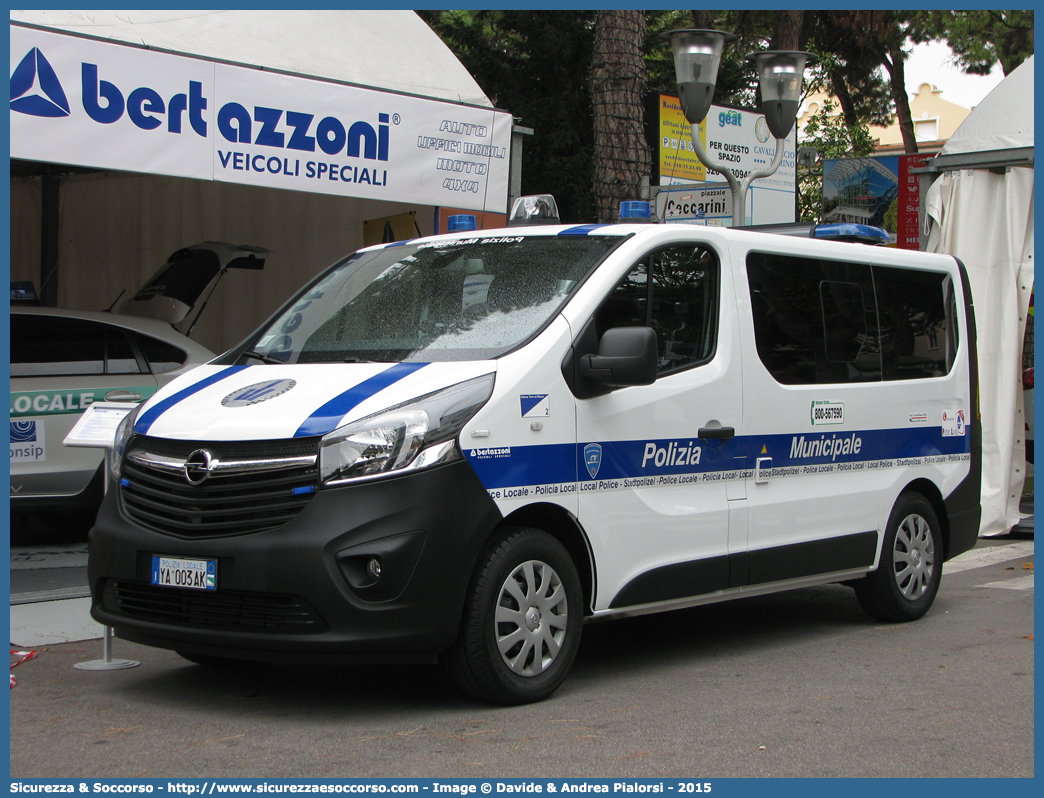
[780, 74]
[697, 54]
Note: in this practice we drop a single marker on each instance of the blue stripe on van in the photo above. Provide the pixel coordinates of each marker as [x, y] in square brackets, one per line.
[510, 466]
[148, 418]
[582, 230]
[676, 459]
[326, 418]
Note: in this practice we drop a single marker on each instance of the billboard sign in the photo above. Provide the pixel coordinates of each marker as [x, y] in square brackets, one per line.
[738, 140]
[110, 106]
[881, 191]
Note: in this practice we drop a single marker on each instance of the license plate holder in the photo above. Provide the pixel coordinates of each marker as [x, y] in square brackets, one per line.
[184, 572]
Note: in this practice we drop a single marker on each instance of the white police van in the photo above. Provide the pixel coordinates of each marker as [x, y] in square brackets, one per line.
[464, 447]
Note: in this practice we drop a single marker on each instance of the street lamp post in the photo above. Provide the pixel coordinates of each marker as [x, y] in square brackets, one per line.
[697, 54]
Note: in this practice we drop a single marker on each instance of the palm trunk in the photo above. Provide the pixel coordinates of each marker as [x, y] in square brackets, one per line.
[618, 81]
[897, 72]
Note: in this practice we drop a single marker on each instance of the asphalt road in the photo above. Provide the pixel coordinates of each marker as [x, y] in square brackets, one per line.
[800, 684]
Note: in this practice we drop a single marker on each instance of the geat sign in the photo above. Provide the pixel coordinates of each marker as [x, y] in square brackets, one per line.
[112, 106]
[738, 140]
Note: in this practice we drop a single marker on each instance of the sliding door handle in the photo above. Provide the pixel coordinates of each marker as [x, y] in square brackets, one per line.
[720, 433]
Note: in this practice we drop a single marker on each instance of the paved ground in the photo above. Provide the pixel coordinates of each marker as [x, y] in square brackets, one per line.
[801, 684]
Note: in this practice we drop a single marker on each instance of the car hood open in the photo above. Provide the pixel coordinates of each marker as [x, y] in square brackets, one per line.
[172, 292]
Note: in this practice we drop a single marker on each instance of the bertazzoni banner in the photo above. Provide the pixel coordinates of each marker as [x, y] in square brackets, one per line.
[80, 102]
[89, 103]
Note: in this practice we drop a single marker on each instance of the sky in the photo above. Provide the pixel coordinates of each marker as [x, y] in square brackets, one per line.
[933, 63]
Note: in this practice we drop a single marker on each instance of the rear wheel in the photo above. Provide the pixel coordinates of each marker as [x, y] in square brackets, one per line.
[907, 579]
[521, 625]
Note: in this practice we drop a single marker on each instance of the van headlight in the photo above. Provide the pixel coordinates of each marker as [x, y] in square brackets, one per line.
[417, 434]
[119, 444]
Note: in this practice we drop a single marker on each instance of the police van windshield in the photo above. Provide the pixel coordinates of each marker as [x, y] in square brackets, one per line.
[470, 299]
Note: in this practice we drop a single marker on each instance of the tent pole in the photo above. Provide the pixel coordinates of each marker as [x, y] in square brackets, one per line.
[49, 220]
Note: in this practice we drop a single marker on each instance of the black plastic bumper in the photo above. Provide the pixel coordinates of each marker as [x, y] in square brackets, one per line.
[425, 529]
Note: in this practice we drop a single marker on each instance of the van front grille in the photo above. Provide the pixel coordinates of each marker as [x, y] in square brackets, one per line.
[240, 496]
[218, 609]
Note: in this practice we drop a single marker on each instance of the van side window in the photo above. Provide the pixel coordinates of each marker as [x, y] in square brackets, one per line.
[818, 321]
[814, 320]
[918, 336]
[680, 302]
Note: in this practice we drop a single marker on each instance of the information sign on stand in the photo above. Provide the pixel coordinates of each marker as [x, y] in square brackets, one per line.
[96, 428]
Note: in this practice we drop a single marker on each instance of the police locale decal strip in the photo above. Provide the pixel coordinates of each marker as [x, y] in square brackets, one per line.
[326, 418]
[149, 417]
[522, 471]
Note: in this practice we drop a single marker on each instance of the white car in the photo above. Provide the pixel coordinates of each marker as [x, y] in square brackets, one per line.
[61, 362]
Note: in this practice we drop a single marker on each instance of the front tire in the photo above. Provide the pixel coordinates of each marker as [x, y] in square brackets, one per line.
[907, 579]
[521, 625]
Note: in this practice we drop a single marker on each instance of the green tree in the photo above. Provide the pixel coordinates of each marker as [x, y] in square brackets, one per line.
[535, 64]
[832, 138]
[980, 39]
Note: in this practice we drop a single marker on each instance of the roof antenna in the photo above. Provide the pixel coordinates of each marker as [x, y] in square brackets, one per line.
[117, 299]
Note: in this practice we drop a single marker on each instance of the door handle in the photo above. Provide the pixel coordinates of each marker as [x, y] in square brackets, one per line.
[721, 433]
[761, 468]
[122, 395]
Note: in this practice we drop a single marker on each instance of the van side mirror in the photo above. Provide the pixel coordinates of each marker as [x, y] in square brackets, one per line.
[626, 356]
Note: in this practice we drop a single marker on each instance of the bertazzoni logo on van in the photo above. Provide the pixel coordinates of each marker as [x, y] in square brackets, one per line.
[491, 453]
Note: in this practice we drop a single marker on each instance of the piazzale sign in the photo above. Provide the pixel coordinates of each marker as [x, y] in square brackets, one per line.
[109, 105]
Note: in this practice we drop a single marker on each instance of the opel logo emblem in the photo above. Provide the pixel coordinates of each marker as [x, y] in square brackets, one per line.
[197, 467]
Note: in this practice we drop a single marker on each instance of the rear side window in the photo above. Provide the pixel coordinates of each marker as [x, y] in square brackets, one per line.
[819, 321]
[918, 338]
[814, 320]
[52, 345]
[160, 355]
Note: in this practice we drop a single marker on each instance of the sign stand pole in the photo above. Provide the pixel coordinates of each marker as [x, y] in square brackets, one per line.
[96, 429]
[107, 664]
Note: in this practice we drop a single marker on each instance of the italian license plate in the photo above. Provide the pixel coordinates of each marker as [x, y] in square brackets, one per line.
[179, 572]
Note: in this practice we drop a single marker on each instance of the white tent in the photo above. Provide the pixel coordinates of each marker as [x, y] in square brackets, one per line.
[384, 49]
[980, 209]
[97, 207]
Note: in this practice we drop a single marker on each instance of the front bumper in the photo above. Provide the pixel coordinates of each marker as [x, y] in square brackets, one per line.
[303, 589]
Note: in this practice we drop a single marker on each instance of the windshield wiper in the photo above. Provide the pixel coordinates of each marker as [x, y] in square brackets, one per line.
[265, 358]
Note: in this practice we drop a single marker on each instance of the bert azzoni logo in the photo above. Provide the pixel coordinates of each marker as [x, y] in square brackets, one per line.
[35, 88]
[37, 91]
